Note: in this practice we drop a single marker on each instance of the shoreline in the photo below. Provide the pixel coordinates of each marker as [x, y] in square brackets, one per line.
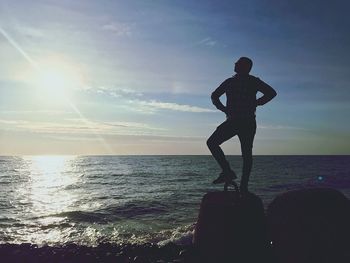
[104, 252]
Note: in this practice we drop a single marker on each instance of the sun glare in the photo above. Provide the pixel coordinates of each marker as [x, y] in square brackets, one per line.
[56, 80]
[54, 84]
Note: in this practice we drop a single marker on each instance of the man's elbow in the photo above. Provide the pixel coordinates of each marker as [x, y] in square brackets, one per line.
[274, 94]
[270, 95]
[214, 98]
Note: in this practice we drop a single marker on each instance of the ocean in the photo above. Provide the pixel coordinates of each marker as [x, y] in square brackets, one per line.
[88, 200]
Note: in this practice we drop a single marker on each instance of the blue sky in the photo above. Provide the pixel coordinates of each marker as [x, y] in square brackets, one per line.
[138, 75]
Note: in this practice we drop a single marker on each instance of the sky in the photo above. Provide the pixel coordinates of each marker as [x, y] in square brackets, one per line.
[135, 77]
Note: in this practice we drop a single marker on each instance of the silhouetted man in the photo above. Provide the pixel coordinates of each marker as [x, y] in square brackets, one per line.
[241, 103]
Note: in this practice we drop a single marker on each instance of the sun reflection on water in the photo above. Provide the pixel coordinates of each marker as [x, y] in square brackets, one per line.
[50, 175]
[49, 188]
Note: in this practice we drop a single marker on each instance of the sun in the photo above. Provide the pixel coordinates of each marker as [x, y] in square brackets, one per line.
[56, 80]
[54, 84]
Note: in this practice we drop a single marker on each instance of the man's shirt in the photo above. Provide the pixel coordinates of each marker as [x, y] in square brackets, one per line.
[241, 93]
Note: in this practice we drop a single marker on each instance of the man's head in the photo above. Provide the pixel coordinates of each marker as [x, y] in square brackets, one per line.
[243, 65]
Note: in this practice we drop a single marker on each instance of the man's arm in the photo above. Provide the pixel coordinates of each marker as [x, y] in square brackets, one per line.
[268, 93]
[215, 97]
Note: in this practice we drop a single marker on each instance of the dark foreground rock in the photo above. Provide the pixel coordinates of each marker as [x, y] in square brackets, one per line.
[231, 228]
[73, 253]
[310, 225]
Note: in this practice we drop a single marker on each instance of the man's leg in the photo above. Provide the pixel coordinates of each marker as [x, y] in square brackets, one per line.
[246, 137]
[223, 132]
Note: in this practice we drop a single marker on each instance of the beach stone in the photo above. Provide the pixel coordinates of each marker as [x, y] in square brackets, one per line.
[183, 252]
[122, 259]
[230, 227]
[139, 259]
[188, 254]
[310, 225]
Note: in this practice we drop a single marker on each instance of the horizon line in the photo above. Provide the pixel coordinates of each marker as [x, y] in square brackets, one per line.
[102, 155]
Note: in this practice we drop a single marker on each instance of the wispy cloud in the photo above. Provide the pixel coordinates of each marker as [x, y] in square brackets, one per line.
[30, 31]
[207, 42]
[158, 105]
[46, 112]
[144, 138]
[119, 29]
[280, 127]
[148, 106]
[116, 92]
[13, 122]
[79, 126]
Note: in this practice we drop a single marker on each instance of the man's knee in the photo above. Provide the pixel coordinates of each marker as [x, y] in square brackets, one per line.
[210, 142]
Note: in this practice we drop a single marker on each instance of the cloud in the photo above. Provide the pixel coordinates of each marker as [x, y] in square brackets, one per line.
[116, 92]
[80, 126]
[128, 138]
[30, 31]
[207, 42]
[280, 127]
[148, 106]
[158, 105]
[46, 112]
[119, 29]
[13, 122]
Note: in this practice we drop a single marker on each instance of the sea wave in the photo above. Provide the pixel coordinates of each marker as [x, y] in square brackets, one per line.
[181, 235]
[82, 216]
[132, 210]
[113, 213]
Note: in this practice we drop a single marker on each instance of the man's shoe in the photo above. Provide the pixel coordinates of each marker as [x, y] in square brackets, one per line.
[221, 179]
[231, 175]
[225, 177]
